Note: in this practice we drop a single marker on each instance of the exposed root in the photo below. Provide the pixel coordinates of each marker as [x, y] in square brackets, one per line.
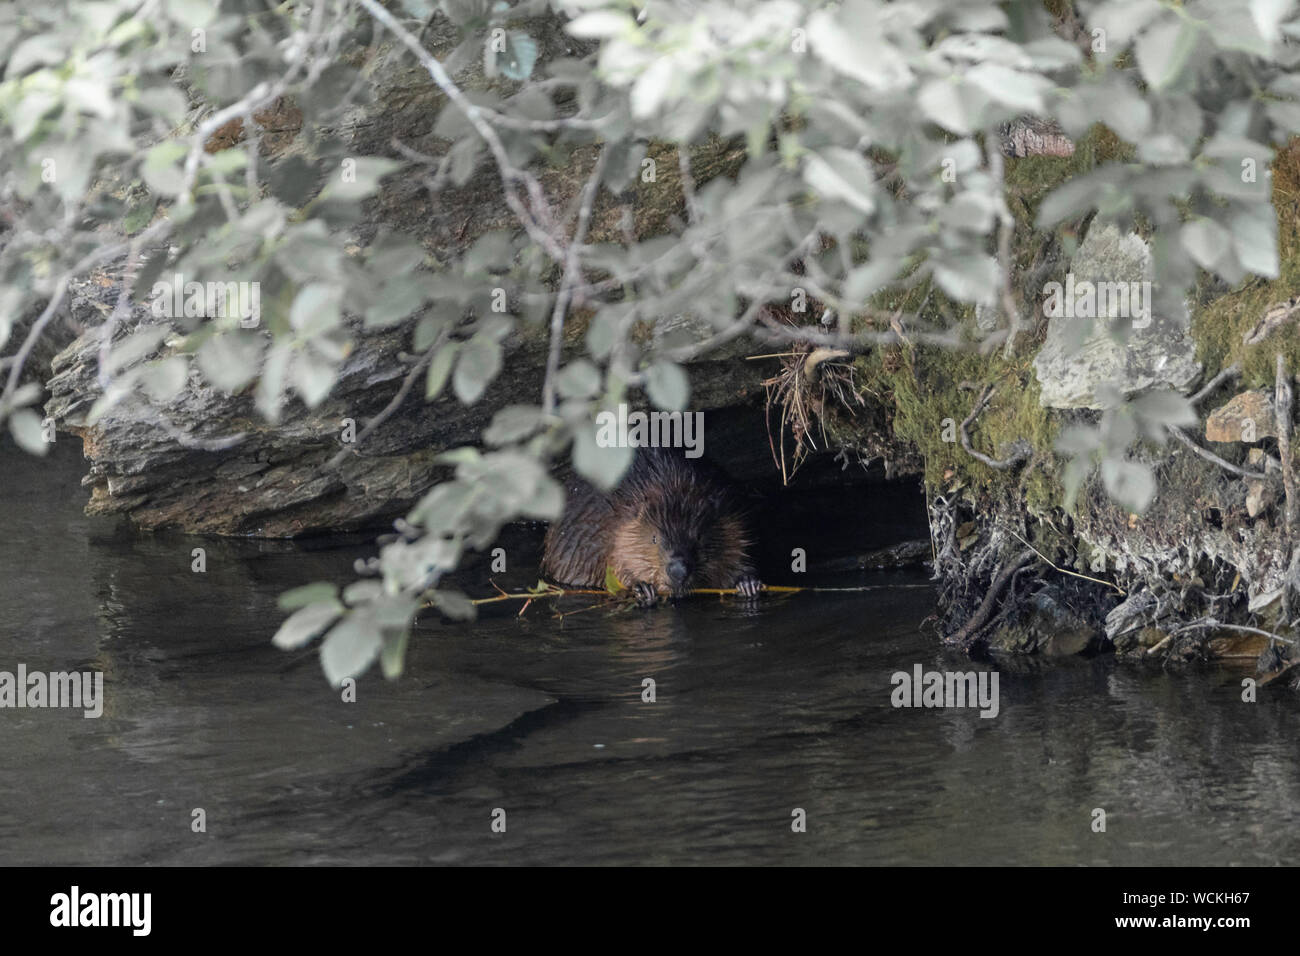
[965, 635]
[1020, 451]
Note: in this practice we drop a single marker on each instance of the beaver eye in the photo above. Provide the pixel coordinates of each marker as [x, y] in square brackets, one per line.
[654, 539]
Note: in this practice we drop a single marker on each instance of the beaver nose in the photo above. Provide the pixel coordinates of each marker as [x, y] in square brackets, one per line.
[678, 572]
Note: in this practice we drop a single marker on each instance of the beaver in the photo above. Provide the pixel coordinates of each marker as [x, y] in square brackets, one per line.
[671, 525]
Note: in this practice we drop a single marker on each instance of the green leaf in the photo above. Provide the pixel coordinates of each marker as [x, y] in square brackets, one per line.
[442, 507]
[1130, 483]
[1078, 440]
[1254, 239]
[603, 467]
[970, 277]
[29, 112]
[520, 56]
[454, 604]
[163, 380]
[1163, 408]
[600, 23]
[947, 103]
[350, 647]
[230, 361]
[842, 174]
[192, 13]
[1020, 91]
[852, 40]
[305, 623]
[316, 308]
[1164, 49]
[393, 657]
[138, 345]
[25, 426]
[358, 177]
[89, 96]
[480, 361]
[270, 388]
[512, 423]
[578, 379]
[313, 377]
[1076, 470]
[440, 370]
[312, 593]
[612, 584]
[161, 171]
[1205, 241]
[667, 385]
[43, 49]
[118, 389]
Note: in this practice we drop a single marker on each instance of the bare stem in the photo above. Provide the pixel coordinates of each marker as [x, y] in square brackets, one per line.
[1232, 371]
[1006, 226]
[1212, 457]
[387, 411]
[1282, 410]
[571, 271]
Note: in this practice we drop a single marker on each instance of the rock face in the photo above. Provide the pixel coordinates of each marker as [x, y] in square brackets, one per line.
[162, 467]
[1247, 417]
[1110, 274]
[1031, 136]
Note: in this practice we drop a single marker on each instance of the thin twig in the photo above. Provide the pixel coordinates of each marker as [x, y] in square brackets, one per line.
[1006, 225]
[1213, 458]
[1056, 567]
[551, 590]
[1212, 622]
[387, 411]
[1232, 371]
[571, 271]
[1282, 410]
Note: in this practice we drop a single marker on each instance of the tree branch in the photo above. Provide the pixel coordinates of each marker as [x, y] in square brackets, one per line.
[1232, 371]
[1212, 457]
[571, 271]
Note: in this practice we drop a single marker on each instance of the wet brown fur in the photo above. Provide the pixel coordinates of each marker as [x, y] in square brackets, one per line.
[666, 507]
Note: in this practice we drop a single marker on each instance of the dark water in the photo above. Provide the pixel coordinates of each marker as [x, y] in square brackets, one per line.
[757, 712]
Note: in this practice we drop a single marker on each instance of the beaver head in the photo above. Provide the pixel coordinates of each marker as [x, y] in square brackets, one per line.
[675, 541]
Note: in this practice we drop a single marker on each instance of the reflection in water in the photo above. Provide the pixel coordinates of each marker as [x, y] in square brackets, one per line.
[757, 712]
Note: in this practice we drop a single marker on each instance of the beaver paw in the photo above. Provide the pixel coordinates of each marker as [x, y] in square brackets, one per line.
[646, 594]
[749, 586]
